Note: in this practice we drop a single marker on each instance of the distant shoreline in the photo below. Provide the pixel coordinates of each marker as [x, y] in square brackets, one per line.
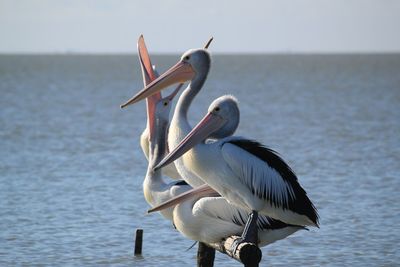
[214, 54]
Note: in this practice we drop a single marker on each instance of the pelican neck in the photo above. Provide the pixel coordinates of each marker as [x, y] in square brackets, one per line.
[185, 100]
[157, 148]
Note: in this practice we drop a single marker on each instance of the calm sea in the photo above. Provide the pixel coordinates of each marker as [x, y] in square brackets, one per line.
[71, 168]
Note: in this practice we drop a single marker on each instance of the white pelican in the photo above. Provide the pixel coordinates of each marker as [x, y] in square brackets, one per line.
[149, 74]
[153, 142]
[155, 189]
[203, 218]
[243, 171]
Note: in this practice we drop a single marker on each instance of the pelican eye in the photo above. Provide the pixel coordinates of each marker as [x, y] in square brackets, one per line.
[217, 109]
[187, 58]
[165, 103]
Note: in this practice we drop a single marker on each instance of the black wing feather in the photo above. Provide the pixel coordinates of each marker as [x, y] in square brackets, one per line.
[301, 203]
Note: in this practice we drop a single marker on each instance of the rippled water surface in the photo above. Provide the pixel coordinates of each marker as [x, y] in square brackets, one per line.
[71, 168]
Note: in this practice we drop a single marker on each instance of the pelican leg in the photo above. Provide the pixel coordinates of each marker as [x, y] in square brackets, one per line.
[250, 232]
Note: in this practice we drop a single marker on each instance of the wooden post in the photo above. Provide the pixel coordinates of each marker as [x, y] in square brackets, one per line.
[247, 253]
[138, 242]
[205, 256]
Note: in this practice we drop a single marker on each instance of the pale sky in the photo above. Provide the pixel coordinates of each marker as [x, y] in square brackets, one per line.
[173, 26]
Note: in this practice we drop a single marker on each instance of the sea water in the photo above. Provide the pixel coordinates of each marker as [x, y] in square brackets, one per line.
[71, 168]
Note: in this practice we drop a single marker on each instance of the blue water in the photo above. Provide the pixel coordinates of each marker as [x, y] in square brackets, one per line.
[71, 168]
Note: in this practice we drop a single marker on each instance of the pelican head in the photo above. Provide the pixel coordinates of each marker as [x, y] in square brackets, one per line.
[198, 59]
[194, 64]
[227, 108]
[221, 120]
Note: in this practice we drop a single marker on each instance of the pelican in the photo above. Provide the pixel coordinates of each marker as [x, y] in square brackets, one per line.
[155, 189]
[210, 219]
[243, 171]
[149, 74]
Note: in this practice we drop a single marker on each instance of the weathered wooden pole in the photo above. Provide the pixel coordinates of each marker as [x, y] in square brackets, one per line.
[138, 242]
[205, 255]
[247, 253]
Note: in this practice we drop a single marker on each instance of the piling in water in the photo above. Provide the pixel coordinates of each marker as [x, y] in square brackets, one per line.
[205, 256]
[138, 242]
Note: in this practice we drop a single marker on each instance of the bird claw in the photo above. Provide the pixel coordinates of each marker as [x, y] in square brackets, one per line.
[250, 232]
[236, 244]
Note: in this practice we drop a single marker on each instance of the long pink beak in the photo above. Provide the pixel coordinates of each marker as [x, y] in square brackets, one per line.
[148, 76]
[209, 124]
[145, 63]
[179, 73]
[201, 191]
